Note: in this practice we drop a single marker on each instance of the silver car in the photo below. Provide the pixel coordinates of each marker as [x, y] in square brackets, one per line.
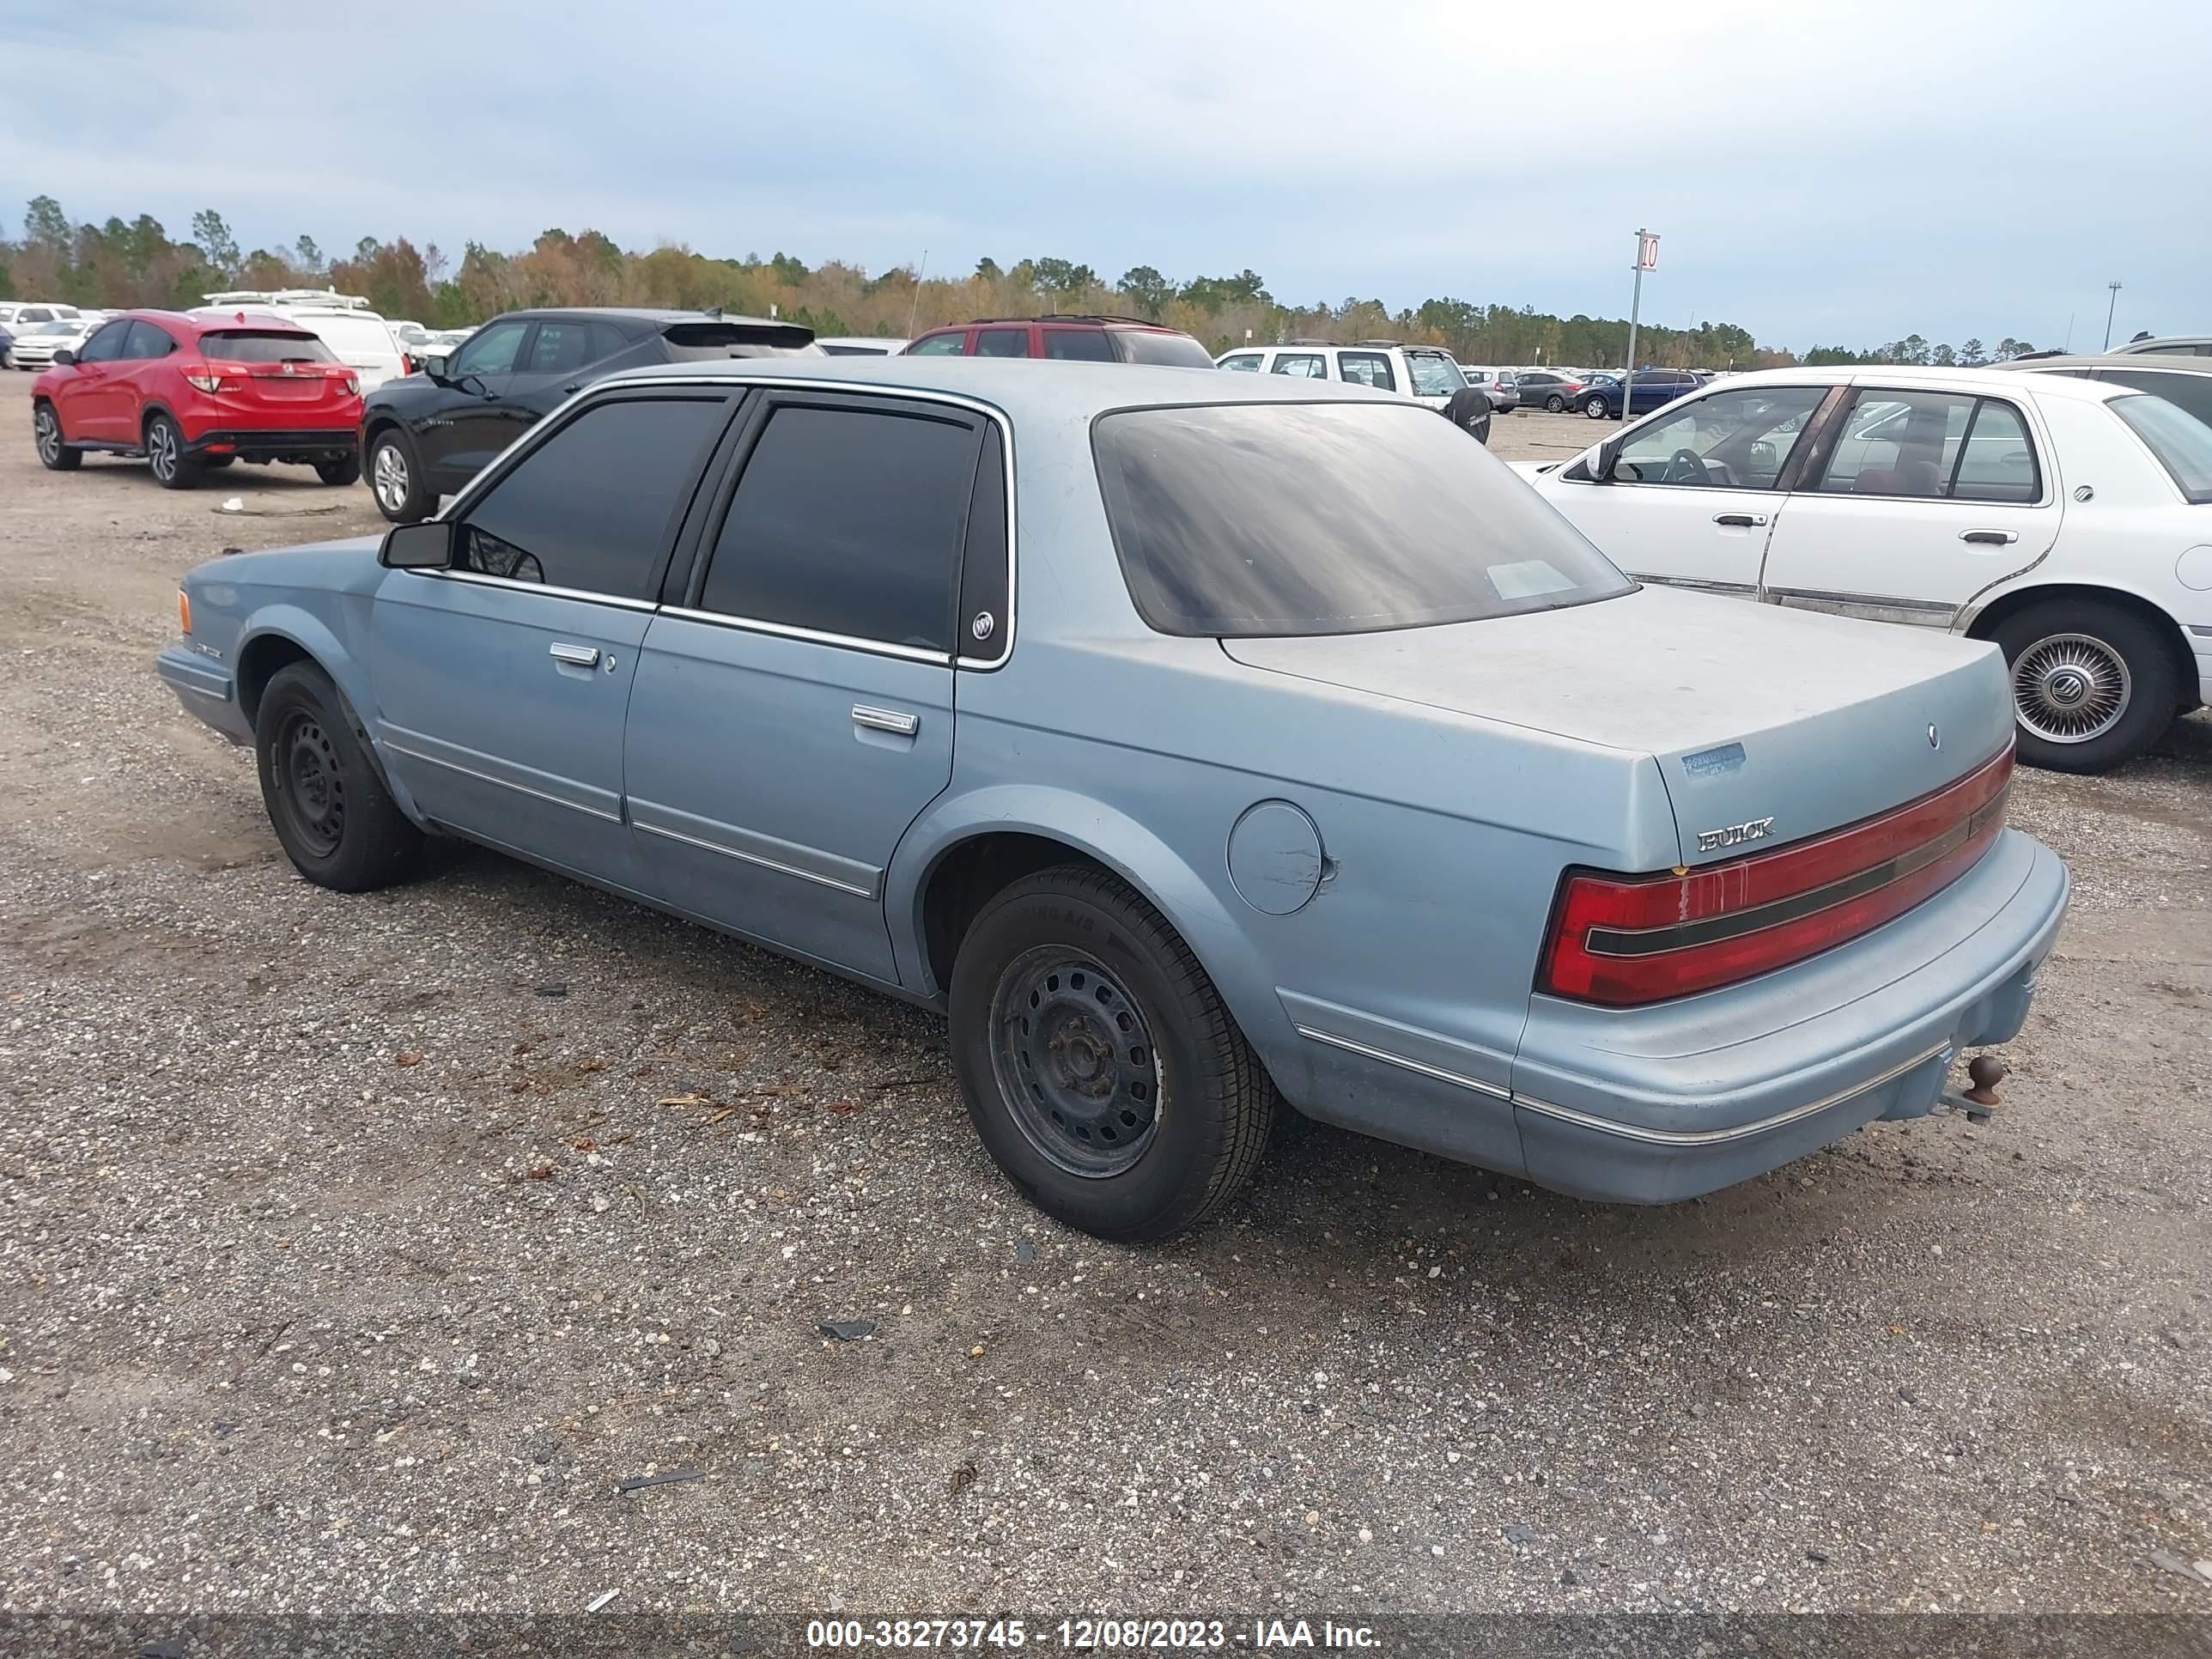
[1192, 743]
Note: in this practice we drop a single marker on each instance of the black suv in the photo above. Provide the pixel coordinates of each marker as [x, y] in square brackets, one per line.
[426, 435]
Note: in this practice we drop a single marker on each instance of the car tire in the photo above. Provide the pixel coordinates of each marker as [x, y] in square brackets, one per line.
[2093, 685]
[172, 467]
[1596, 408]
[1556, 404]
[395, 478]
[346, 470]
[1101, 1069]
[333, 817]
[47, 433]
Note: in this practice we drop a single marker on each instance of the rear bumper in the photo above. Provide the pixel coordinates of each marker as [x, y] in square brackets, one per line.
[251, 442]
[1651, 1106]
[204, 685]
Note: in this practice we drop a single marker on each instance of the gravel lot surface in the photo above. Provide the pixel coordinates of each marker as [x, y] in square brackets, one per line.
[353, 1251]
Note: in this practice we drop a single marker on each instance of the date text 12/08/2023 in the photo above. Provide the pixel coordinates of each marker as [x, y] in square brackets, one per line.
[1088, 1634]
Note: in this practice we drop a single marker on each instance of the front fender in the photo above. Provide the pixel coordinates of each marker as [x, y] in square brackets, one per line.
[1167, 880]
[311, 634]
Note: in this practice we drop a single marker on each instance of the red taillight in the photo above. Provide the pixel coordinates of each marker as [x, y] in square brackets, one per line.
[406, 362]
[1625, 940]
[211, 379]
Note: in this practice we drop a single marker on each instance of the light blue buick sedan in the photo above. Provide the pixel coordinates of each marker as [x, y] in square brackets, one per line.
[1190, 741]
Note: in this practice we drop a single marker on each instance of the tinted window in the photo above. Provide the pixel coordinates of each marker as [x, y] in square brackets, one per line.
[490, 350]
[147, 341]
[1087, 345]
[691, 342]
[1172, 350]
[937, 345]
[2192, 392]
[559, 348]
[591, 507]
[1002, 343]
[264, 345]
[104, 345]
[2183, 445]
[984, 570]
[1248, 361]
[1730, 441]
[1328, 519]
[606, 340]
[1367, 368]
[1303, 364]
[847, 521]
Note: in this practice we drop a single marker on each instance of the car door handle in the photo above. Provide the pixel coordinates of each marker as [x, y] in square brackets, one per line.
[576, 656]
[1740, 521]
[1994, 538]
[898, 723]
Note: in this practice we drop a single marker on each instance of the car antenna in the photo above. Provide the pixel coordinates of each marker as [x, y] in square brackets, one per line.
[715, 311]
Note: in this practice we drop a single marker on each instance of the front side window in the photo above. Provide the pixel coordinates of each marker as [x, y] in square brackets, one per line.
[1730, 441]
[1002, 343]
[1302, 365]
[1434, 374]
[1931, 446]
[937, 345]
[1332, 518]
[106, 343]
[490, 350]
[848, 521]
[1247, 361]
[2182, 443]
[1366, 368]
[1082, 345]
[593, 506]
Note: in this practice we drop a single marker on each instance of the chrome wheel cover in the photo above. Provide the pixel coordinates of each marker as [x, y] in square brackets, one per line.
[390, 477]
[2070, 687]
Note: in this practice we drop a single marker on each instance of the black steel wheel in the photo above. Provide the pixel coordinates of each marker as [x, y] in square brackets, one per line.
[1102, 1071]
[332, 815]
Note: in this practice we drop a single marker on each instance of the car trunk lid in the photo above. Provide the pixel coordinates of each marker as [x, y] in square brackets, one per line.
[1768, 726]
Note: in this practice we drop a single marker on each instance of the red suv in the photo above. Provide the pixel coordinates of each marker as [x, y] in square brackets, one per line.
[193, 393]
[1083, 339]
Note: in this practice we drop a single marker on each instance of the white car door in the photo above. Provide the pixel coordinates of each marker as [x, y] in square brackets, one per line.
[1694, 494]
[1923, 499]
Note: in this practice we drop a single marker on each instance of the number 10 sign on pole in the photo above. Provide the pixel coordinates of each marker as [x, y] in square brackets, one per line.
[1647, 259]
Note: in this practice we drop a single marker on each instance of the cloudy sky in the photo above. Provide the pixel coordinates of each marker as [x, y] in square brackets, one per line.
[1832, 171]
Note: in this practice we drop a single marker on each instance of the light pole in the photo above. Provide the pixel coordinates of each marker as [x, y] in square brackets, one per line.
[1647, 259]
[2109, 306]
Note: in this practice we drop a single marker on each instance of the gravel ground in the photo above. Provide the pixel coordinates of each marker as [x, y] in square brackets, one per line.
[354, 1250]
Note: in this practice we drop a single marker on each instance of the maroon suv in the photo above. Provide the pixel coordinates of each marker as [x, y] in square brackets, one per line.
[1080, 339]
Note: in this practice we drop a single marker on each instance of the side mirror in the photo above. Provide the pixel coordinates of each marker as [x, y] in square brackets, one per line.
[64, 357]
[1608, 453]
[425, 546]
[433, 364]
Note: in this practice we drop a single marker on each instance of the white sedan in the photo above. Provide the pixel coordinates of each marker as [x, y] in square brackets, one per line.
[2068, 520]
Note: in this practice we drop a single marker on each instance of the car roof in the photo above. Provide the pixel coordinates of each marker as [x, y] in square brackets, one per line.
[2133, 359]
[1905, 378]
[1077, 319]
[1030, 389]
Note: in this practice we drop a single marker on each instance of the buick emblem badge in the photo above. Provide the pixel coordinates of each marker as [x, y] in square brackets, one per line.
[1935, 737]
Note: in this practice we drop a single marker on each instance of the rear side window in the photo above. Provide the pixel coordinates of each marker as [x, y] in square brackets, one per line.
[1002, 343]
[264, 345]
[147, 340]
[1302, 365]
[591, 507]
[1247, 361]
[1366, 368]
[1933, 445]
[559, 348]
[1165, 347]
[986, 604]
[848, 521]
[1083, 345]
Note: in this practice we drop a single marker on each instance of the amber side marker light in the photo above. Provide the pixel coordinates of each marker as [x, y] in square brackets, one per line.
[1621, 940]
[184, 611]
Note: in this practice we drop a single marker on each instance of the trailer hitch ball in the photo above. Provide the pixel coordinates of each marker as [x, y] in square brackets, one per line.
[1985, 1072]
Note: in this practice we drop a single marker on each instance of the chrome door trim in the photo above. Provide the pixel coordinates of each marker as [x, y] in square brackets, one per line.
[812, 635]
[1388, 1059]
[898, 723]
[763, 861]
[1873, 607]
[504, 783]
[1695, 585]
[478, 578]
[1718, 1137]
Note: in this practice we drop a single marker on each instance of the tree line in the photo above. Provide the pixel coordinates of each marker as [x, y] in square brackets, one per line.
[119, 263]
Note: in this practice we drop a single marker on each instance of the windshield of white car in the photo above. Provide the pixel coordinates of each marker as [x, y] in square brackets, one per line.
[1434, 374]
[1272, 520]
[264, 345]
[2182, 443]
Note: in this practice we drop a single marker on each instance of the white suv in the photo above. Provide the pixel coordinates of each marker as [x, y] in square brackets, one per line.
[2068, 520]
[1427, 374]
[357, 336]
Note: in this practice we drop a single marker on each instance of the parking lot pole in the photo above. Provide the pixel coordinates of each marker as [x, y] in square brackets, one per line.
[1647, 258]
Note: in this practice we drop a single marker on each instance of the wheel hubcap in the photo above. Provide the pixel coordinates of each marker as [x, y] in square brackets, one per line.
[1074, 1062]
[312, 785]
[1597, 408]
[161, 450]
[2070, 687]
[390, 478]
[49, 434]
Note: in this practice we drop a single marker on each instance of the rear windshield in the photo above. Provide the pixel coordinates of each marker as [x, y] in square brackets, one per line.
[1435, 375]
[1262, 520]
[264, 345]
[1175, 351]
[688, 342]
[2182, 443]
